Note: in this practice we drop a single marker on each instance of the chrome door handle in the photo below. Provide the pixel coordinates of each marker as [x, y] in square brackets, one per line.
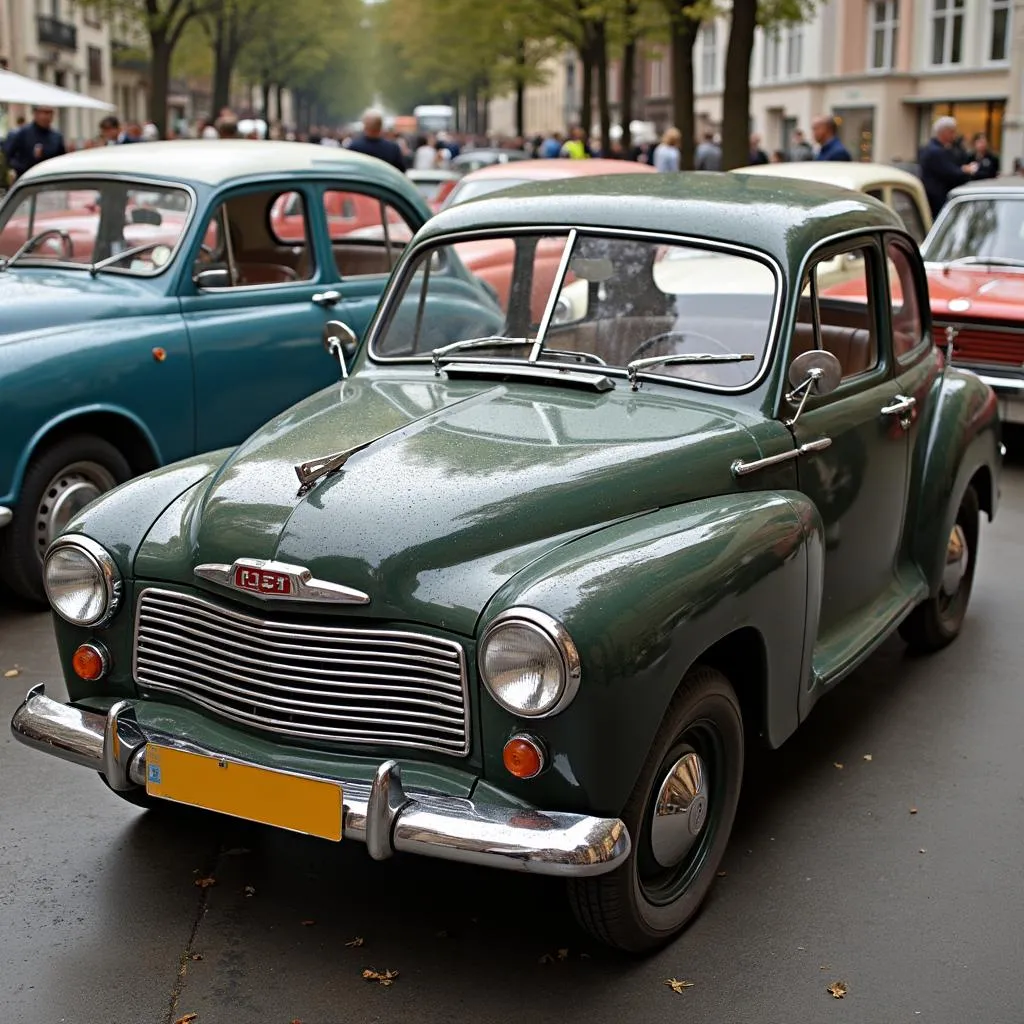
[901, 404]
[331, 298]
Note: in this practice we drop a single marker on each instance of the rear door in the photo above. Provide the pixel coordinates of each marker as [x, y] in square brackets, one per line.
[256, 334]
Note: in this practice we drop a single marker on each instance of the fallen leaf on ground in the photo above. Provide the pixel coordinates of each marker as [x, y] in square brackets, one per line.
[676, 985]
[868, 757]
[837, 989]
[309, 922]
[205, 883]
[187, 1019]
[913, 810]
[250, 890]
[563, 954]
[356, 942]
[824, 967]
[381, 977]
[11, 673]
[196, 956]
[837, 764]
[922, 850]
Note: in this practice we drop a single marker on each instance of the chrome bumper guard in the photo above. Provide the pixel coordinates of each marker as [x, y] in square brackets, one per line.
[381, 814]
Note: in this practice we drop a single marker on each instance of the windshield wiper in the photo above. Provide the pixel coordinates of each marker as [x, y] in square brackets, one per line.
[984, 261]
[118, 256]
[637, 365]
[30, 243]
[494, 341]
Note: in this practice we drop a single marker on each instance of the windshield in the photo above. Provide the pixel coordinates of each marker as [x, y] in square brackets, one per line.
[979, 228]
[609, 300]
[82, 223]
[481, 187]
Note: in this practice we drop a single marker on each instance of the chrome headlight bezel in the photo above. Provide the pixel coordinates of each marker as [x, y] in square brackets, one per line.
[107, 573]
[554, 634]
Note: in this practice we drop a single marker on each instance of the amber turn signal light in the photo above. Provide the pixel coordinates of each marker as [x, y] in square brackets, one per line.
[523, 756]
[90, 662]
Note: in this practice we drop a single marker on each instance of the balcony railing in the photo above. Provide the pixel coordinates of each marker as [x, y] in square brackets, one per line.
[54, 32]
[128, 58]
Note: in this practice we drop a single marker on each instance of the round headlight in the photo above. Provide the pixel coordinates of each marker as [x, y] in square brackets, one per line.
[82, 581]
[529, 663]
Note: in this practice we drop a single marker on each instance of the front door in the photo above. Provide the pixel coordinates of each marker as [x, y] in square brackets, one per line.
[859, 482]
[255, 331]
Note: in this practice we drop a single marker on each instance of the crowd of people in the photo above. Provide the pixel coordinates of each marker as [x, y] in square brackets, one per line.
[944, 162]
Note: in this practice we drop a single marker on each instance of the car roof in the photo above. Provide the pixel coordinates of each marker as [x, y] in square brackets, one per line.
[789, 217]
[843, 174]
[211, 162]
[550, 170]
[1011, 184]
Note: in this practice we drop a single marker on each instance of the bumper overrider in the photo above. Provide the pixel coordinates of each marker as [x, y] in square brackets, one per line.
[380, 814]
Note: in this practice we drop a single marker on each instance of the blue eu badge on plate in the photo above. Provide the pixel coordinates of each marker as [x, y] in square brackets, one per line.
[154, 774]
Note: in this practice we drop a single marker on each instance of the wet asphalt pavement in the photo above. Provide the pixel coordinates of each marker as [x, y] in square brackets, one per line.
[829, 877]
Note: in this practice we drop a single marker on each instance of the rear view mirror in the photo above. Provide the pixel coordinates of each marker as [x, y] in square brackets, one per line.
[593, 270]
[341, 342]
[213, 277]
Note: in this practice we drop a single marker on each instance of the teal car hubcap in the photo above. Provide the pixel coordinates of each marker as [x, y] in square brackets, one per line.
[65, 496]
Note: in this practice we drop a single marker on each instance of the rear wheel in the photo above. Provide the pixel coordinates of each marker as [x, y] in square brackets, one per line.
[679, 818]
[937, 621]
[60, 481]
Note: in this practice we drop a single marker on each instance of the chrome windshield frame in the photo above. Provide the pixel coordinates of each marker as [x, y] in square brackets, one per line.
[399, 281]
[131, 181]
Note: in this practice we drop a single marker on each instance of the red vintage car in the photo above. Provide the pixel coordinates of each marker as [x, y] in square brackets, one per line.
[974, 256]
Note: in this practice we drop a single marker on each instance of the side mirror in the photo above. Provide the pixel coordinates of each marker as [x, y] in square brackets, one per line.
[213, 277]
[816, 372]
[341, 342]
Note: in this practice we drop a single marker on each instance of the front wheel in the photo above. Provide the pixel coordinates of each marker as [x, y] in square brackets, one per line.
[679, 817]
[937, 621]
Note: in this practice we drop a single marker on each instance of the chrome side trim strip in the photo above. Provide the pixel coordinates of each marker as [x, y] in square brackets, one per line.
[6, 515]
[381, 814]
[741, 468]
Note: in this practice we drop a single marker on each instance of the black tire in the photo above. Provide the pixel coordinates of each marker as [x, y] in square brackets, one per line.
[937, 621]
[24, 541]
[642, 905]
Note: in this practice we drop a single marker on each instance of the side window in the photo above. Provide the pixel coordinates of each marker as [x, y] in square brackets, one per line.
[367, 233]
[258, 238]
[903, 203]
[837, 312]
[907, 327]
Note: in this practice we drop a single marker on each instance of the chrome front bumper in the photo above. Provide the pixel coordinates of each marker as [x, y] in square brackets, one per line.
[381, 814]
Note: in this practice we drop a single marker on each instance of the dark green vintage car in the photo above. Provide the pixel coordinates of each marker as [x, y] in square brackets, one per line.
[517, 589]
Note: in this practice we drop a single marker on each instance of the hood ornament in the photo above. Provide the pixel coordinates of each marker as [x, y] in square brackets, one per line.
[309, 472]
[278, 581]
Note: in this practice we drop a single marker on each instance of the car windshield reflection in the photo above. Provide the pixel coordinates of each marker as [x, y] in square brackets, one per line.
[977, 229]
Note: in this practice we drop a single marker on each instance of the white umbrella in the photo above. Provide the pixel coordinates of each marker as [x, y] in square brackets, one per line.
[19, 89]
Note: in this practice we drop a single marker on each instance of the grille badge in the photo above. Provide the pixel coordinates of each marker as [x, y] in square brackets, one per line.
[278, 581]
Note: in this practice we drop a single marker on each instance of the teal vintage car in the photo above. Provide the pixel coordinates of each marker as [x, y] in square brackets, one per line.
[517, 593]
[165, 299]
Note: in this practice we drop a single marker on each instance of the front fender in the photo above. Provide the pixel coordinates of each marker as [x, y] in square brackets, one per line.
[643, 600]
[962, 440]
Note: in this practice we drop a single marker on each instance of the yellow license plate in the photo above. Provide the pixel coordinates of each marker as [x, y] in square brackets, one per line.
[311, 806]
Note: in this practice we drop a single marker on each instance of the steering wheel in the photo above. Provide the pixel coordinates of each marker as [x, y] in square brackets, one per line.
[649, 343]
[66, 244]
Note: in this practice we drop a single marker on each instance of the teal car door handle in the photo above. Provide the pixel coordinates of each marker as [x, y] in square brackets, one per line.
[330, 298]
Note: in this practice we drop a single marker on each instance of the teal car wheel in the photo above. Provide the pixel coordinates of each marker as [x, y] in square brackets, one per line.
[59, 483]
[680, 816]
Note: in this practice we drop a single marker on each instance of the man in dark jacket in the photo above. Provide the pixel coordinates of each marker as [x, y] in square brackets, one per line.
[987, 161]
[35, 142]
[373, 143]
[830, 147]
[940, 169]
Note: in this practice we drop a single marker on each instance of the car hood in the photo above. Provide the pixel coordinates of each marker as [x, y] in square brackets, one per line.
[35, 299]
[984, 292]
[462, 485]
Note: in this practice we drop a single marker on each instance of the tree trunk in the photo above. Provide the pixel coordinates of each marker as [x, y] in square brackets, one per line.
[159, 80]
[587, 90]
[626, 94]
[279, 90]
[265, 88]
[736, 94]
[684, 35]
[604, 113]
[521, 89]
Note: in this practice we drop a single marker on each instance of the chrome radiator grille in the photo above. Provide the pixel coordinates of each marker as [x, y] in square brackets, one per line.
[386, 687]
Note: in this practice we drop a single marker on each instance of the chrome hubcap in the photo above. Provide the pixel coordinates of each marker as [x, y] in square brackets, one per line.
[957, 560]
[65, 496]
[681, 810]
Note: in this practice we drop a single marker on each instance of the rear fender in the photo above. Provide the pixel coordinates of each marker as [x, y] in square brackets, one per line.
[643, 600]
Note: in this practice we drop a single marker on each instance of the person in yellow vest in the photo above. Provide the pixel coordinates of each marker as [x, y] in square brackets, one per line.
[575, 147]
